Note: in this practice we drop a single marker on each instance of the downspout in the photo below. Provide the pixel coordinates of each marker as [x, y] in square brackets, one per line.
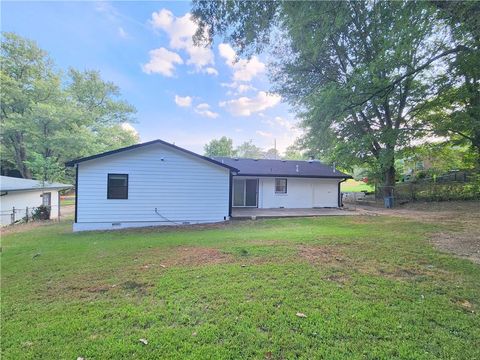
[76, 193]
[340, 202]
[230, 189]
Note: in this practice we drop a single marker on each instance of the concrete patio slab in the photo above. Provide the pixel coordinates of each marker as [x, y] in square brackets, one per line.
[254, 213]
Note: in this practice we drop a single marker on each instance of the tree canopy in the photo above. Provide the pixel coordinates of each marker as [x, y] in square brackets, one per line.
[249, 150]
[358, 74]
[48, 117]
[455, 111]
[220, 147]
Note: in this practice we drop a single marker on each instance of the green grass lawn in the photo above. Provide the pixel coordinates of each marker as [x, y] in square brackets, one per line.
[355, 186]
[370, 287]
[65, 202]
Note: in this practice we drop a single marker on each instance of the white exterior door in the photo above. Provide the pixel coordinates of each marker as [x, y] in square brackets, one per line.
[325, 194]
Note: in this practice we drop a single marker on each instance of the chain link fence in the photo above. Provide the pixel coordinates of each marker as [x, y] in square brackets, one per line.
[449, 187]
[25, 215]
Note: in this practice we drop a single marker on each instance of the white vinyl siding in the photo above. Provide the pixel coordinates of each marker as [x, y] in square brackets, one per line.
[301, 193]
[182, 187]
[22, 200]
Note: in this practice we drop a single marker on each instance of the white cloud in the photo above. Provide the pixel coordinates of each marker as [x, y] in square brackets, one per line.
[122, 33]
[243, 70]
[246, 70]
[211, 71]
[203, 109]
[284, 130]
[278, 121]
[238, 88]
[244, 88]
[263, 133]
[183, 101]
[162, 61]
[203, 106]
[180, 30]
[246, 106]
[128, 127]
[106, 8]
[227, 52]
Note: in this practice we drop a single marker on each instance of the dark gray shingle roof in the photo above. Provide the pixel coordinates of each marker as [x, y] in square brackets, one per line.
[287, 168]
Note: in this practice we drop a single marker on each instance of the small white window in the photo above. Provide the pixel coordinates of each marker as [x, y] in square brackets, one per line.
[280, 186]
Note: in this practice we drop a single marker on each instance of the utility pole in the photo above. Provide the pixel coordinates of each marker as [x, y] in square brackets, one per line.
[275, 147]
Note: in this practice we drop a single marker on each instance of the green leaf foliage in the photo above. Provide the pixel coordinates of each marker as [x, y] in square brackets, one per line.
[220, 147]
[358, 74]
[48, 117]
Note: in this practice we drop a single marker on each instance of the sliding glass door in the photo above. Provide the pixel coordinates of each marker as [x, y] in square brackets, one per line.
[245, 192]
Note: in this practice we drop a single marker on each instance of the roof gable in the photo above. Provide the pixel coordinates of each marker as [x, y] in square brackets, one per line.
[136, 146]
[285, 168]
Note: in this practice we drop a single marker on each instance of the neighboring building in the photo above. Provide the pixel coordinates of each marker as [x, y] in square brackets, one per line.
[19, 195]
[157, 183]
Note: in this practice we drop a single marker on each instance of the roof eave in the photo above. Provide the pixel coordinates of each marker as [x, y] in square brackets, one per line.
[74, 162]
[38, 188]
[301, 176]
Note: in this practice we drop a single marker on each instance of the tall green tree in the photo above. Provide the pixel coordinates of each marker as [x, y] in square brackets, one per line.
[249, 150]
[48, 118]
[29, 83]
[356, 72]
[272, 154]
[455, 111]
[293, 152]
[220, 147]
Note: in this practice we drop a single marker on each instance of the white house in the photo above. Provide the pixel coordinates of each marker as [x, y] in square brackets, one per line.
[17, 196]
[157, 183]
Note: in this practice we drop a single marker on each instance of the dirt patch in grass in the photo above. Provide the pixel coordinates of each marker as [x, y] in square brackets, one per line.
[135, 287]
[93, 289]
[25, 227]
[196, 256]
[320, 254]
[463, 244]
[462, 217]
[400, 273]
[457, 213]
[465, 305]
[177, 228]
[343, 267]
[339, 278]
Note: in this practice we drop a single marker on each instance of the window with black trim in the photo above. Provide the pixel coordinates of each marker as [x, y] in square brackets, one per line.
[280, 186]
[117, 187]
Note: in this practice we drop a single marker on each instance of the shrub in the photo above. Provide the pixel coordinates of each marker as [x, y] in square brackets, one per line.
[41, 213]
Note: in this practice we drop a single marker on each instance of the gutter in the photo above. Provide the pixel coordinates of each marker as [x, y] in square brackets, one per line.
[76, 193]
[345, 177]
[340, 202]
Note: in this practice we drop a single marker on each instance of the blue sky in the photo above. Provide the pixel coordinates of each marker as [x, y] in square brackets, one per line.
[183, 94]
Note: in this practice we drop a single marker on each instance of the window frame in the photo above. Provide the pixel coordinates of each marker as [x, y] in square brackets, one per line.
[286, 187]
[108, 187]
[46, 195]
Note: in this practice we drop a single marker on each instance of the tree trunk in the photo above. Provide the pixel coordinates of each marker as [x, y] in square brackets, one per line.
[478, 158]
[389, 182]
[21, 155]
